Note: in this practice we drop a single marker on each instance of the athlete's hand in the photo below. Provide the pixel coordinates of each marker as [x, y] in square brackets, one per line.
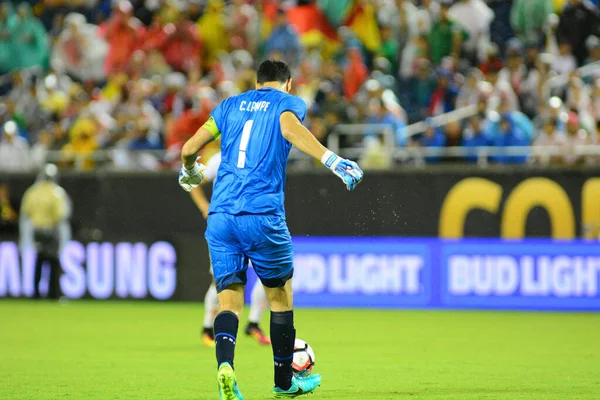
[190, 178]
[348, 171]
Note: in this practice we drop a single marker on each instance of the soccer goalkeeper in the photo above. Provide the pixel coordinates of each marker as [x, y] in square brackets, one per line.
[258, 306]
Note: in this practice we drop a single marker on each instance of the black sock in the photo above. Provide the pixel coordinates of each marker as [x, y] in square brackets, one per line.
[209, 331]
[226, 327]
[283, 335]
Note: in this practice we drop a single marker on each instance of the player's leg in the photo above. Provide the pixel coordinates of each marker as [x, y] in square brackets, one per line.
[272, 257]
[39, 265]
[258, 306]
[283, 335]
[231, 302]
[54, 281]
[211, 305]
[229, 269]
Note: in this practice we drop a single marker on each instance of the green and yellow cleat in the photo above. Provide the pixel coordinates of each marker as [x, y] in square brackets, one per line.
[300, 385]
[228, 388]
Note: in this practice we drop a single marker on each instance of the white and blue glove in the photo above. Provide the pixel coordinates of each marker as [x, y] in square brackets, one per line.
[190, 178]
[348, 171]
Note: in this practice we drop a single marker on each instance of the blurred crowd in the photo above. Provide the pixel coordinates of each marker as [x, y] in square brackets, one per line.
[126, 83]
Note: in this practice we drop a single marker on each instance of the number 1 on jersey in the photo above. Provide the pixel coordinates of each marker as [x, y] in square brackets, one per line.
[244, 143]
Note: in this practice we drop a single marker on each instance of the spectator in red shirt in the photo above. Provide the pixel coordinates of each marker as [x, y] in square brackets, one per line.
[123, 32]
[180, 44]
[185, 126]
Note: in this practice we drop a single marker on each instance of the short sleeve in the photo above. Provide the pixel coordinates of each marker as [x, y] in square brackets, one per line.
[218, 115]
[294, 104]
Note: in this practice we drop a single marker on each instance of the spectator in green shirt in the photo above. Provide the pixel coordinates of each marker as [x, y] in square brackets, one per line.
[390, 48]
[528, 18]
[446, 36]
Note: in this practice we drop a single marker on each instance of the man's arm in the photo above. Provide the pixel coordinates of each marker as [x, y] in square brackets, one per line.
[190, 174]
[190, 149]
[295, 133]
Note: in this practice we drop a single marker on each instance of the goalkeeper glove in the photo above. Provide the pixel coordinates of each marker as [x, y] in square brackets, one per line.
[190, 178]
[348, 171]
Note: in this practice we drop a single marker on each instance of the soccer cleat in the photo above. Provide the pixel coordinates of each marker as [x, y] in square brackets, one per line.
[300, 386]
[208, 340]
[258, 335]
[228, 388]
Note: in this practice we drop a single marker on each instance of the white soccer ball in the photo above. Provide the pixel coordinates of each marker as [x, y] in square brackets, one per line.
[304, 358]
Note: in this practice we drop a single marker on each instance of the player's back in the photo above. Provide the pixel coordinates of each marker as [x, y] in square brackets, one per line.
[251, 177]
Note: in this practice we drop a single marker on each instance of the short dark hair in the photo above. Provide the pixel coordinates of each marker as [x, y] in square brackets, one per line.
[273, 70]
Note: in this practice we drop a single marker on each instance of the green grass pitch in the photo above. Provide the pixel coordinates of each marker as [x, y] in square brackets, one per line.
[128, 350]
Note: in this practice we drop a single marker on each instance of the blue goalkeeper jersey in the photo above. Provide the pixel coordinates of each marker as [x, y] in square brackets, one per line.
[251, 177]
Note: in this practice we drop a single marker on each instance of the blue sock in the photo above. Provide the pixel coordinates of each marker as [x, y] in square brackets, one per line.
[226, 327]
[283, 336]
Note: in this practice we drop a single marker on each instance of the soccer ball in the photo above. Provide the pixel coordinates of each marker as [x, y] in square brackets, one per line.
[304, 358]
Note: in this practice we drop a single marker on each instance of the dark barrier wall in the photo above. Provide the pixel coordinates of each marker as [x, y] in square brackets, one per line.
[445, 201]
[140, 236]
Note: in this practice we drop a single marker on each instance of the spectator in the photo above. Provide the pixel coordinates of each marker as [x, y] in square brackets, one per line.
[547, 144]
[491, 60]
[380, 115]
[595, 102]
[504, 136]
[432, 7]
[123, 33]
[39, 151]
[474, 137]
[212, 28]
[400, 16]
[185, 126]
[80, 150]
[421, 88]
[593, 47]
[390, 48]
[29, 35]
[58, 136]
[453, 132]
[475, 17]
[500, 28]
[579, 20]
[443, 98]
[243, 25]
[514, 72]
[141, 139]
[14, 150]
[417, 49]
[334, 108]
[576, 137]
[433, 138]
[181, 45]
[7, 42]
[79, 50]
[579, 100]
[528, 18]
[283, 40]
[446, 36]
[502, 91]
[469, 92]
[564, 62]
